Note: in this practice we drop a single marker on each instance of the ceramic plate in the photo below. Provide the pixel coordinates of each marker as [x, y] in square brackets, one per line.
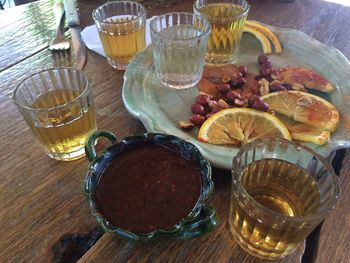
[160, 108]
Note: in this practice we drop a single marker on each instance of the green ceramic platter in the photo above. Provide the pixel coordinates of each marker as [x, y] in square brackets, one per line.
[160, 108]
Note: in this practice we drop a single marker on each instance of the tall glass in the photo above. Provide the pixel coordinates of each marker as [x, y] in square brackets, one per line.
[281, 191]
[57, 105]
[179, 45]
[121, 27]
[227, 18]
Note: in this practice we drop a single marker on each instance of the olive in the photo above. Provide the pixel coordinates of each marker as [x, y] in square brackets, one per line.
[207, 108]
[265, 71]
[287, 86]
[223, 88]
[197, 109]
[262, 59]
[208, 115]
[241, 81]
[234, 83]
[252, 98]
[202, 99]
[215, 110]
[258, 77]
[260, 105]
[232, 95]
[267, 64]
[243, 70]
[277, 87]
[197, 119]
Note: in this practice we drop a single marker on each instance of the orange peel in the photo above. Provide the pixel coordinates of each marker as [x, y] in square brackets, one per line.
[268, 33]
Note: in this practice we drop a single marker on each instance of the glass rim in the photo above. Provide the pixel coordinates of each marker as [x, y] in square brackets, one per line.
[317, 215]
[206, 31]
[239, 15]
[82, 93]
[143, 12]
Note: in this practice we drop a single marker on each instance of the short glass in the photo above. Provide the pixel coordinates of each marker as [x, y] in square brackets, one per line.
[281, 191]
[121, 27]
[57, 105]
[179, 45]
[227, 19]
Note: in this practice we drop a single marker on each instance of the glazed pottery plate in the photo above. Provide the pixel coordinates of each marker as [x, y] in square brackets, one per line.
[160, 108]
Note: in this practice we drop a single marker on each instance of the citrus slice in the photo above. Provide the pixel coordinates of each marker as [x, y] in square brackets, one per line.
[236, 125]
[265, 43]
[304, 132]
[304, 107]
[268, 33]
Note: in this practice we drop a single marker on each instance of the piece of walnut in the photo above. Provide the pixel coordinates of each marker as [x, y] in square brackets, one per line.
[186, 125]
[264, 86]
[223, 104]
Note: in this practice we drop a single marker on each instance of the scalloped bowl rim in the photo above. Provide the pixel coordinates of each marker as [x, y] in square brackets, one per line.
[88, 189]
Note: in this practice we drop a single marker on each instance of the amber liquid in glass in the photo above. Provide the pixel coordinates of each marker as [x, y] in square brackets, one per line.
[63, 131]
[283, 188]
[226, 33]
[123, 40]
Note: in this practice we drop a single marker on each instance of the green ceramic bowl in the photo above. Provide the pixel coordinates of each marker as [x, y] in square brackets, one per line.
[202, 218]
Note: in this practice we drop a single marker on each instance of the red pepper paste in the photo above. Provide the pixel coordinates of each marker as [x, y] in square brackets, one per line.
[147, 188]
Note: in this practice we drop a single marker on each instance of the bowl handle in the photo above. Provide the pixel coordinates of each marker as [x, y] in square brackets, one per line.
[201, 224]
[92, 140]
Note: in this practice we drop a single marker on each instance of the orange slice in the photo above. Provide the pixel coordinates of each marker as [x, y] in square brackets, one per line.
[304, 107]
[236, 125]
[268, 33]
[304, 132]
[264, 41]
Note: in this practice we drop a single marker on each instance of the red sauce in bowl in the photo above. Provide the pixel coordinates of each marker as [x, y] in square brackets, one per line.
[147, 188]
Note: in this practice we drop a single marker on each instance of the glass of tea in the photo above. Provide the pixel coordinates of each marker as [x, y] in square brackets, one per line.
[57, 105]
[179, 45]
[121, 27]
[227, 18]
[281, 191]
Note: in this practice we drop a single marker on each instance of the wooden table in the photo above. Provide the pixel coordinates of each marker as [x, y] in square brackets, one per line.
[41, 200]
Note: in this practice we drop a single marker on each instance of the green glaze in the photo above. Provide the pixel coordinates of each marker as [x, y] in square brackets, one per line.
[92, 140]
[160, 108]
[202, 218]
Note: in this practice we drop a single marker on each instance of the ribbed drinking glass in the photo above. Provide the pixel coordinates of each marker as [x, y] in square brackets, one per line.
[227, 19]
[57, 105]
[281, 191]
[179, 45]
[121, 27]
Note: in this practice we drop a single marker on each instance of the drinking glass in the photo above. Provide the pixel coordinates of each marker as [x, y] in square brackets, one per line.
[179, 45]
[57, 106]
[281, 191]
[121, 27]
[227, 18]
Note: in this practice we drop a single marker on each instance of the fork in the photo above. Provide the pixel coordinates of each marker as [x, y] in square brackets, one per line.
[59, 42]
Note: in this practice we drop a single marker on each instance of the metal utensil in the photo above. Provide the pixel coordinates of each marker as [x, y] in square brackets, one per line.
[75, 30]
[59, 42]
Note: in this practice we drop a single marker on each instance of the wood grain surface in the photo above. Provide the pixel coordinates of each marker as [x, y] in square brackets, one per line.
[41, 199]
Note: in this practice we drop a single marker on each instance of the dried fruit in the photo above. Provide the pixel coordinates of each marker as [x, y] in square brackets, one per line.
[202, 99]
[197, 119]
[197, 108]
